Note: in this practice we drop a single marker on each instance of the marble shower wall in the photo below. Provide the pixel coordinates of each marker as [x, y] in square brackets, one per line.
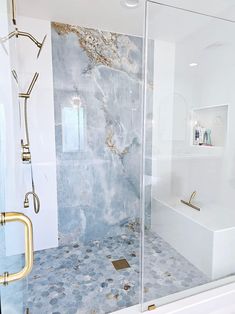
[97, 96]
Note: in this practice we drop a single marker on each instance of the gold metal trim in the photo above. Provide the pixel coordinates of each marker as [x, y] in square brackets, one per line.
[26, 156]
[23, 95]
[189, 203]
[152, 307]
[2, 218]
[19, 217]
[5, 276]
[121, 264]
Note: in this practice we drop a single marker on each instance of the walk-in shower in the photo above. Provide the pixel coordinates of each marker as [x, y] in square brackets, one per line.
[128, 151]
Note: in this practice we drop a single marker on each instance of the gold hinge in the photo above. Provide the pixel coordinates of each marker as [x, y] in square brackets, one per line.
[152, 307]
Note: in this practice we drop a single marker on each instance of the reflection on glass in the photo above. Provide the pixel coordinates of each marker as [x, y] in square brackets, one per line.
[74, 127]
[82, 121]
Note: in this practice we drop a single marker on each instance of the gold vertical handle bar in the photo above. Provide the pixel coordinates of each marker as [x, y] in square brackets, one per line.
[19, 217]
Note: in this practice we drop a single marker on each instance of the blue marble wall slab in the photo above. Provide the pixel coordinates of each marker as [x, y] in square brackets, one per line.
[97, 96]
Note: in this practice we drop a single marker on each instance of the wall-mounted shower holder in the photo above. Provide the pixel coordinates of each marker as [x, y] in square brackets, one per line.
[26, 155]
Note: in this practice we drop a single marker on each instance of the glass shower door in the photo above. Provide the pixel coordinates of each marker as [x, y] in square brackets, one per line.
[94, 140]
[12, 237]
[190, 227]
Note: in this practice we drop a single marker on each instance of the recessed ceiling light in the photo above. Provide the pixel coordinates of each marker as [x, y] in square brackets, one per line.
[130, 3]
[193, 64]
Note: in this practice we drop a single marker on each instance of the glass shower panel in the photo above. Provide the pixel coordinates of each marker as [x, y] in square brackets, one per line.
[11, 235]
[86, 147]
[189, 171]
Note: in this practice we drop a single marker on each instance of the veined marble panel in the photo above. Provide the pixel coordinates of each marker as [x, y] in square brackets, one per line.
[97, 92]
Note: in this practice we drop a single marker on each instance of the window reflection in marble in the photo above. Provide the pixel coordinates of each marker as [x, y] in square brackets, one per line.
[82, 128]
[74, 127]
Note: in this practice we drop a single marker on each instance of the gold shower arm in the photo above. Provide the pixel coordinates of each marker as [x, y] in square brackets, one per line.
[18, 33]
[34, 40]
[25, 34]
[19, 217]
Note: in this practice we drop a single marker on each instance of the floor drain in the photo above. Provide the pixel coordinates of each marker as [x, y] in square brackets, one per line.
[121, 264]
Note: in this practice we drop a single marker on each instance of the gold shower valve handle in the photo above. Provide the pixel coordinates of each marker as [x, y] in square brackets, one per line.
[19, 217]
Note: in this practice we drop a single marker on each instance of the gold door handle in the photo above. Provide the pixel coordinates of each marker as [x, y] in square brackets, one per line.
[19, 217]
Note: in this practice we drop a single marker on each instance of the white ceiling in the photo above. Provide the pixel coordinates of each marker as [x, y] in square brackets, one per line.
[111, 15]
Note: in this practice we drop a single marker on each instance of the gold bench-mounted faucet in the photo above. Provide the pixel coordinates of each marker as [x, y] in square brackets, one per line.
[189, 203]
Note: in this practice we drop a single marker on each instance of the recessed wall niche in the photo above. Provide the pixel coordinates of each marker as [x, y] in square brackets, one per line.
[209, 126]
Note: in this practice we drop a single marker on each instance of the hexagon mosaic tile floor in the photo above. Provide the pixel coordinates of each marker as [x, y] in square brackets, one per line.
[81, 279]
